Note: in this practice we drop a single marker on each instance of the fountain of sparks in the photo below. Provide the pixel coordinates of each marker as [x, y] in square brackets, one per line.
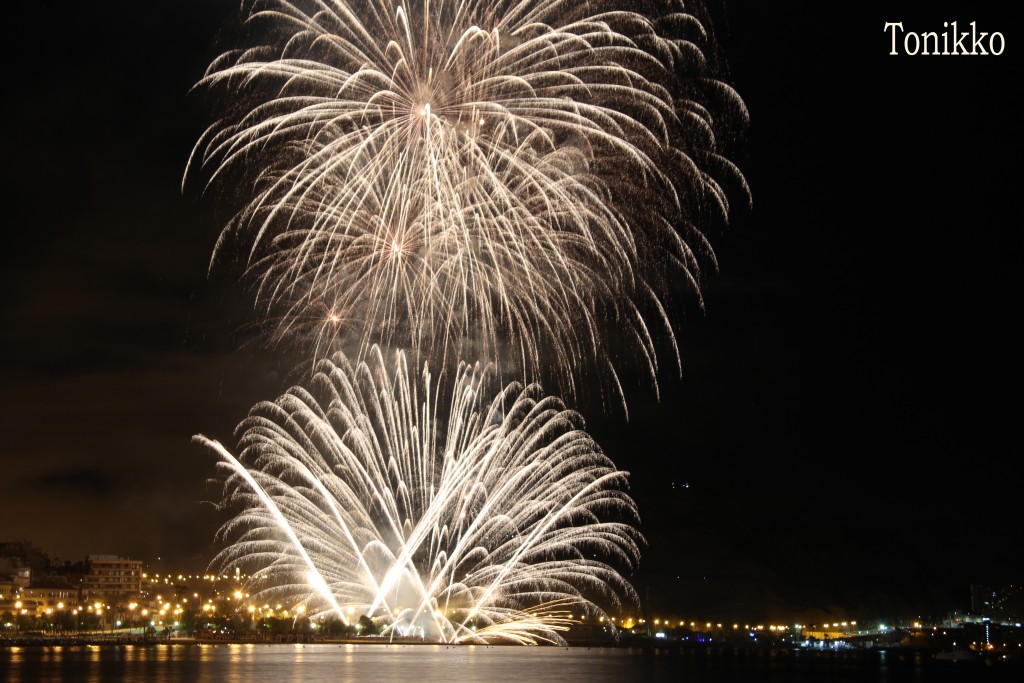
[454, 518]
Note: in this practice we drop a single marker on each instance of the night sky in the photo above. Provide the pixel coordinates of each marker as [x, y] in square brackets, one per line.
[841, 441]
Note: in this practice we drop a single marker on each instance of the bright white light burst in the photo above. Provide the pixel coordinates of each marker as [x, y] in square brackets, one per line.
[505, 179]
[455, 518]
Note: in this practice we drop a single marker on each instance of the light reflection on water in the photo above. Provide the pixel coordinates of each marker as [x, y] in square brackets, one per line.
[249, 663]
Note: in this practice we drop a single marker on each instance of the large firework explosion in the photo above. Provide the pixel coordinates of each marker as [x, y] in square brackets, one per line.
[505, 180]
[452, 517]
[510, 182]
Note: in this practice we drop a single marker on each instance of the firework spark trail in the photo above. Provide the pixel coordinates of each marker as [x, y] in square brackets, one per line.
[436, 175]
[496, 522]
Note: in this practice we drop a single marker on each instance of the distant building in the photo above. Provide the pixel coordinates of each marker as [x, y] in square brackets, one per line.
[16, 574]
[999, 603]
[19, 562]
[49, 596]
[111, 579]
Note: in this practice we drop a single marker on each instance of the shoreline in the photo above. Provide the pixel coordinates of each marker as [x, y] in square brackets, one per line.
[142, 640]
[1011, 661]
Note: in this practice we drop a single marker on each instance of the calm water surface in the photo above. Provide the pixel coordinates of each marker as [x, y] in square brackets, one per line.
[171, 663]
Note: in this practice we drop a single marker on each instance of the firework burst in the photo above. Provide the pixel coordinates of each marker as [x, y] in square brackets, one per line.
[457, 518]
[470, 179]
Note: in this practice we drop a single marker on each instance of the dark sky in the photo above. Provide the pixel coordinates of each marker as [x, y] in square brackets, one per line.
[841, 440]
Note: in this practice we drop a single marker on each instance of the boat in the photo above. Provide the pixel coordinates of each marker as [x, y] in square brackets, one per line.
[957, 655]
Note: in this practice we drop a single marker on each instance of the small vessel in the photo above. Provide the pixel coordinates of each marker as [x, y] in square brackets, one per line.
[957, 655]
